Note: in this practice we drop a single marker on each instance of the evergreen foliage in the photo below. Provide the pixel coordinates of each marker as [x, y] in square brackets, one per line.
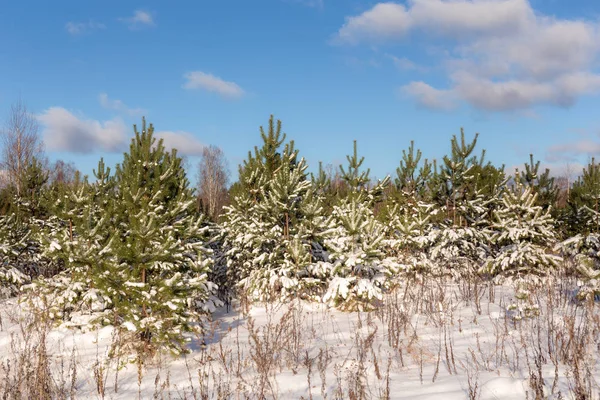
[132, 250]
[151, 276]
[356, 179]
[584, 201]
[541, 183]
[412, 177]
[274, 221]
[452, 181]
[459, 243]
[15, 251]
[84, 243]
[359, 268]
[583, 247]
[27, 221]
[523, 232]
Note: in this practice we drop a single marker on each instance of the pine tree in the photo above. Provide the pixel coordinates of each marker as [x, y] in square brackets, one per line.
[451, 183]
[523, 233]
[321, 182]
[459, 244]
[274, 220]
[408, 212]
[85, 292]
[14, 246]
[356, 179]
[159, 246]
[541, 184]
[360, 272]
[133, 247]
[22, 229]
[412, 177]
[583, 247]
[584, 201]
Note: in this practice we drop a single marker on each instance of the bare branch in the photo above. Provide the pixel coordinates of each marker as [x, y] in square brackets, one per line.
[213, 177]
[21, 143]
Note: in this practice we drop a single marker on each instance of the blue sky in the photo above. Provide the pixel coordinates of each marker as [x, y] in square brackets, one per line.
[524, 74]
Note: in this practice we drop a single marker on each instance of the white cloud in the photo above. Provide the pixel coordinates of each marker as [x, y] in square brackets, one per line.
[140, 18]
[573, 151]
[385, 20]
[405, 64]
[211, 83]
[118, 105]
[499, 55]
[79, 28]
[63, 131]
[446, 17]
[184, 142]
[429, 97]
[467, 17]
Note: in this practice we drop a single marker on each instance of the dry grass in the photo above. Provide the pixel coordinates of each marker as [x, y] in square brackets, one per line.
[555, 351]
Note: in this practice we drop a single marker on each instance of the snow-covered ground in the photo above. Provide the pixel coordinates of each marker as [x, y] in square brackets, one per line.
[433, 341]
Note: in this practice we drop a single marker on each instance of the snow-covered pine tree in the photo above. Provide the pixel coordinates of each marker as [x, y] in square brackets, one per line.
[412, 177]
[14, 244]
[524, 233]
[409, 212]
[459, 244]
[583, 248]
[359, 268]
[541, 183]
[160, 281]
[84, 293]
[21, 230]
[272, 222]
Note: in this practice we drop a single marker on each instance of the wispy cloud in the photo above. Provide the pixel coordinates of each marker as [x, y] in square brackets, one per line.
[430, 97]
[211, 83]
[64, 131]
[80, 28]
[139, 19]
[118, 105]
[404, 64]
[501, 54]
[573, 150]
[184, 142]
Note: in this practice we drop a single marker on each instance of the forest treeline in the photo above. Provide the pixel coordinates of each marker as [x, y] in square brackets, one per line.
[140, 249]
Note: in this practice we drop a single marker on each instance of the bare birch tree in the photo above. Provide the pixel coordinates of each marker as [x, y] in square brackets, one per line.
[21, 143]
[63, 173]
[213, 177]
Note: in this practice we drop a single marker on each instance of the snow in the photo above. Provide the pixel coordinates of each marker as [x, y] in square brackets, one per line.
[427, 341]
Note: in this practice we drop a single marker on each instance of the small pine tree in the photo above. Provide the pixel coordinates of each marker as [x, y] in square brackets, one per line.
[523, 233]
[541, 184]
[356, 179]
[360, 272]
[451, 182]
[583, 248]
[459, 243]
[159, 244]
[411, 177]
[584, 202]
[274, 220]
[151, 278]
[460, 251]
[21, 232]
[14, 248]
[86, 290]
